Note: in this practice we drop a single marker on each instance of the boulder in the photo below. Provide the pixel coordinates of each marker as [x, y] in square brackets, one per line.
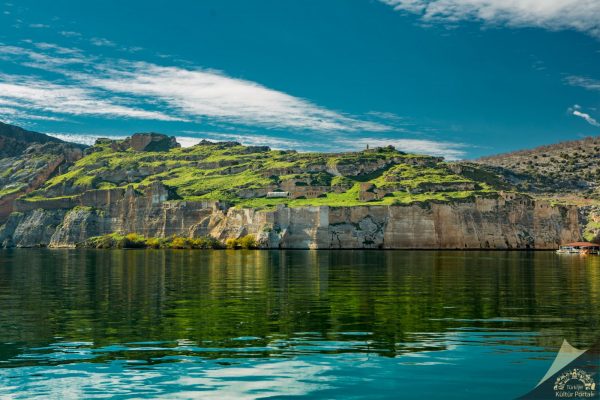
[152, 142]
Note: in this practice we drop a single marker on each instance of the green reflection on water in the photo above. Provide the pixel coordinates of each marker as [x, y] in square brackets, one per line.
[286, 302]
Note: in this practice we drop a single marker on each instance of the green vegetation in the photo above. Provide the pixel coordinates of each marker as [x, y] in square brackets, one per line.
[242, 175]
[135, 241]
[591, 231]
[246, 242]
[11, 190]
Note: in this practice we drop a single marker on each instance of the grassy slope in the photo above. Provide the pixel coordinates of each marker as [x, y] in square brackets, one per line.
[223, 171]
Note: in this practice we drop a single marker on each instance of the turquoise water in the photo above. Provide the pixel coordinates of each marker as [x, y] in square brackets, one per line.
[278, 324]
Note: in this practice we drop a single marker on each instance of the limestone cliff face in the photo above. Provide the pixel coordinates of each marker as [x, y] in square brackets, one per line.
[483, 223]
[505, 222]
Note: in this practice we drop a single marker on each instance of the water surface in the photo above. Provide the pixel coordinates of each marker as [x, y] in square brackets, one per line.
[279, 324]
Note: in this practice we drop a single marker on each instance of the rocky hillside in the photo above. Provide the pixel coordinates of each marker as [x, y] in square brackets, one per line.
[55, 194]
[27, 160]
[245, 175]
[564, 168]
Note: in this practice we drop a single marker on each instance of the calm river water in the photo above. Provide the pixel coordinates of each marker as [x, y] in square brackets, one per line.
[259, 324]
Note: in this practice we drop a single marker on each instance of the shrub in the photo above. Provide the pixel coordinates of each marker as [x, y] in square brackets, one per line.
[180, 243]
[153, 243]
[206, 243]
[131, 241]
[135, 241]
[248, 242]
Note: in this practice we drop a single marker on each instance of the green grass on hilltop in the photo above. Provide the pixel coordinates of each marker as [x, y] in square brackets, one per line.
[229, 171]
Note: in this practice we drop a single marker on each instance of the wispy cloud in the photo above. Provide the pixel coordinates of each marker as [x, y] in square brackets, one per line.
[29, 93]
[576, 111]
[45, 56]
[102, 42]
[69, 34]
[95, 86]
[9, 115]
[207, 93]
[179, 93]
[584, 82]
[579, 15]
[586, 117]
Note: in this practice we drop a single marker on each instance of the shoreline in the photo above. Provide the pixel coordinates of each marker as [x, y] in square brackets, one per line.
[288, 249]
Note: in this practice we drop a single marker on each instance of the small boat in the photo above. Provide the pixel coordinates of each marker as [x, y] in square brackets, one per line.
[579, 248]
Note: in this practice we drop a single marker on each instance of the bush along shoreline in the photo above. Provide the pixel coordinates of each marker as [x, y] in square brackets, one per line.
[136, 241]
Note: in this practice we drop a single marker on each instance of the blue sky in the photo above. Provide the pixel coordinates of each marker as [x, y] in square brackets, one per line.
[458, 78]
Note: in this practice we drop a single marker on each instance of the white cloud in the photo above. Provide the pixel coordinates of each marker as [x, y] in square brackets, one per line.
[579, 15]
[204, 93]
[10, 115]
[34, 94]
[587, 117]
[180, 93]
[59, 56]
[120, 88]
[102, 42]
[69, 33]
[586, 83]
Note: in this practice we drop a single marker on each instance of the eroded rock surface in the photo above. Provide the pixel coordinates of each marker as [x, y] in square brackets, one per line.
[505, 222]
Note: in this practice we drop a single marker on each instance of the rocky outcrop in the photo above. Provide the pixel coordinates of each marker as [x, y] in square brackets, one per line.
[34, 229]
[150, 141]
[503, 222]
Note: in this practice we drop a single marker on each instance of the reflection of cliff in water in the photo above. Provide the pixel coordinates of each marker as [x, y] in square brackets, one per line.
[290, 302]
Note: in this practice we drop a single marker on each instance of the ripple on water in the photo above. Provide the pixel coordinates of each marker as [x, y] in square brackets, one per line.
[314, 324]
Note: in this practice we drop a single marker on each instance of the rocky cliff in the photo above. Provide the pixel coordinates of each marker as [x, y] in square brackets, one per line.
[504, 222]
[57, 194]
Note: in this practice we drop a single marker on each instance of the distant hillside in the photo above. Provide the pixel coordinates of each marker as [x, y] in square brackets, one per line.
[564, 168]
[23, 135]
[14, 140]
